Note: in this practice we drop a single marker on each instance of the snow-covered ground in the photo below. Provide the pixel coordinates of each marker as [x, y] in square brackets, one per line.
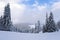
[29, 36]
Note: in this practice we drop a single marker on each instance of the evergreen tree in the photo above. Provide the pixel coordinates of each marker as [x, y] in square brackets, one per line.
[7, 18]
[45, 27]
[52, 26]
[37, 27]
[58, 24]
[1, 23]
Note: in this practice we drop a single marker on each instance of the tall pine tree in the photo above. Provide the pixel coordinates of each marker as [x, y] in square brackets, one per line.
[45, 27]
[7, 18]
[51, 26]
[37, 27]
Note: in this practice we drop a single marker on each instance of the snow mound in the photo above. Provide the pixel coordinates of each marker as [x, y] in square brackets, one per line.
[29, 36]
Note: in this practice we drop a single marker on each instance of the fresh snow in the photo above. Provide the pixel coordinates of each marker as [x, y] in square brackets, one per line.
[4, 35]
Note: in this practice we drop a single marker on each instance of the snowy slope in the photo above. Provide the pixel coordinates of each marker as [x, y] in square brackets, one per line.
[28, 36]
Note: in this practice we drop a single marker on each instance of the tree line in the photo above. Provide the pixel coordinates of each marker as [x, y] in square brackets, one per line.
[49, 26]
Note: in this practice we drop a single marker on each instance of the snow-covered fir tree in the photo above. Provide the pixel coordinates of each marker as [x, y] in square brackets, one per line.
[1, 23]
[5, 20]
[37, 27]
[58, 24]
[45, 27]
[50, 25]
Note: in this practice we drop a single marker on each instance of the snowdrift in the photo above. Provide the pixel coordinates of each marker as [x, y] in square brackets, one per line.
[4, 35]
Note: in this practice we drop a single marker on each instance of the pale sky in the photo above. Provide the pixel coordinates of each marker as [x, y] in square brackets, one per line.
[29, 11]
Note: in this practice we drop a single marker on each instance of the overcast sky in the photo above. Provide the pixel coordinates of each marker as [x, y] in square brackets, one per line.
[29, 11]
